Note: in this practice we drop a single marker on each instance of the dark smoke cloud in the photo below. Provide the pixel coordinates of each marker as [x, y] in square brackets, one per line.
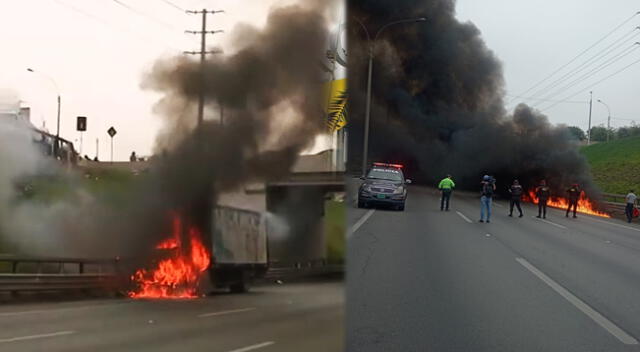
[438, 104]
[270, 91]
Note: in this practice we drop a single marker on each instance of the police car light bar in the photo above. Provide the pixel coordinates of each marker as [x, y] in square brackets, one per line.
[388, 165]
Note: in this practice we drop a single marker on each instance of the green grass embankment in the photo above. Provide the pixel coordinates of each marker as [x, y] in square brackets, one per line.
[615, 165]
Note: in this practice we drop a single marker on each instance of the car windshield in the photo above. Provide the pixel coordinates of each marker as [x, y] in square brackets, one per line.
[385, 174]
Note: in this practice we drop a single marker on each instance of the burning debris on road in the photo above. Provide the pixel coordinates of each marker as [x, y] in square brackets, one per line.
[585, 205]
[438, 104]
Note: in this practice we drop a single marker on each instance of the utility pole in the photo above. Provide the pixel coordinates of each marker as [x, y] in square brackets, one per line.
[203, 53]
[589, 130]
[372, 45]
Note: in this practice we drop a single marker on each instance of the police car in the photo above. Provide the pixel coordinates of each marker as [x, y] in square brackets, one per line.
[384, 185]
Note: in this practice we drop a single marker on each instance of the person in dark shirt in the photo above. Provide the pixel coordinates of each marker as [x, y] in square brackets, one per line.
[488, 188]
[542, 192]
[516, 196]
[574, 196]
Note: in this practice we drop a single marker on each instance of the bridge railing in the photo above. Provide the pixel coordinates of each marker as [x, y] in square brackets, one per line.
[23, 273]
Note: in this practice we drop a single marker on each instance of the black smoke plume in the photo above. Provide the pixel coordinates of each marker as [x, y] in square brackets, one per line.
[438, 104]
[270, 92]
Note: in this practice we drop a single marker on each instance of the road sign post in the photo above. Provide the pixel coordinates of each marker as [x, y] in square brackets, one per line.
[81, 126]
[112, 132]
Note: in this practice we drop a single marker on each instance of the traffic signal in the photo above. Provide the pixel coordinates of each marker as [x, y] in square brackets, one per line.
[81, 124]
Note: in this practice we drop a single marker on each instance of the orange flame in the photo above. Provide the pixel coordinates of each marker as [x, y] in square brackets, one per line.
[177, 276]
[585, 205]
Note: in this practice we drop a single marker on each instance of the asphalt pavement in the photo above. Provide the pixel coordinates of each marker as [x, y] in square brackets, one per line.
[426, 280]
[305, 316]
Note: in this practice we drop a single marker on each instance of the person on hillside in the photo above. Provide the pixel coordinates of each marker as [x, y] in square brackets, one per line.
[542, 192]
[574, 195]
[631, 199]
[488, 187]
[516, 196]
[446, 186]
[133, 157]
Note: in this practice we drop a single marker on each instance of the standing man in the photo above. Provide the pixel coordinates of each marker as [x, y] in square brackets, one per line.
[631, 204]
[516, 196]
[574, 196]
[542, 192]
[488, 187]
[446, 186]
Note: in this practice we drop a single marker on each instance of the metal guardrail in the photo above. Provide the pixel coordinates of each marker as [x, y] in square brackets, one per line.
[614, 198]
[615, 204]
[19, 273]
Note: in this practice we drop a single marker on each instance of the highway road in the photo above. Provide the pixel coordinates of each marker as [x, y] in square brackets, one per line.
[426, 280]
[290, 317]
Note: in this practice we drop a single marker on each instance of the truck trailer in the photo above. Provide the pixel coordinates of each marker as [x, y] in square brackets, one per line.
[239, 248]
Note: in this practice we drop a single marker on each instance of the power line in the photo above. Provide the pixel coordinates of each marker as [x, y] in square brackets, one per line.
[140, 13]
[595, 70]
[172, 4]
[549, 100]
[596, 83]
[89, 15]
[580, 54]
[592, 60]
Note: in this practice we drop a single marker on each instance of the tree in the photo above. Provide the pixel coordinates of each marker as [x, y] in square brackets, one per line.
[623, 132]
[576, 133]
[598, 134]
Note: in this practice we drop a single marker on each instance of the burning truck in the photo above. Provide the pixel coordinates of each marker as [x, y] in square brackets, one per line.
[233, 256]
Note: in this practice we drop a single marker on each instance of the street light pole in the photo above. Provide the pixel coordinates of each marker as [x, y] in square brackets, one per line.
[589, 127]
[372, 44]
[608, 118]
[53, 82]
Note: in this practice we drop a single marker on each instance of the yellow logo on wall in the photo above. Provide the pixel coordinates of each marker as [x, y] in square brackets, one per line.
[336, 93]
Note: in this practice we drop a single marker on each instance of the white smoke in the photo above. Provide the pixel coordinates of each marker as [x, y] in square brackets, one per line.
[277, 227]
[31, 226]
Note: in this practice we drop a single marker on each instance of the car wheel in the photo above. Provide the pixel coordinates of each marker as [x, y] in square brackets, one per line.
[360, 203]
[401, 207]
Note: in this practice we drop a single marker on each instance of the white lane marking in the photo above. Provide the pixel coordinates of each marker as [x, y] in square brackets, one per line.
[488, 235]
[253, 347]
[605, 323]
[34, 337]
[225, 312]
[550, 222]
[38, 311]
[464, 217]
[614, 224]
[360, 222]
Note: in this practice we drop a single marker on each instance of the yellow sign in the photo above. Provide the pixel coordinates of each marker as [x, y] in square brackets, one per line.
[336, 108]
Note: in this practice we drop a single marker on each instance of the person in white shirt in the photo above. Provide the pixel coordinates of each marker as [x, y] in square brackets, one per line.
[631, 203]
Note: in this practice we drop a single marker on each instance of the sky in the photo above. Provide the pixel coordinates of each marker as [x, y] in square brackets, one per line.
[96, 52]
[533, 39]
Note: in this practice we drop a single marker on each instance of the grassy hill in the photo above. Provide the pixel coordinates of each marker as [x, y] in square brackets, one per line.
[615, 165]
